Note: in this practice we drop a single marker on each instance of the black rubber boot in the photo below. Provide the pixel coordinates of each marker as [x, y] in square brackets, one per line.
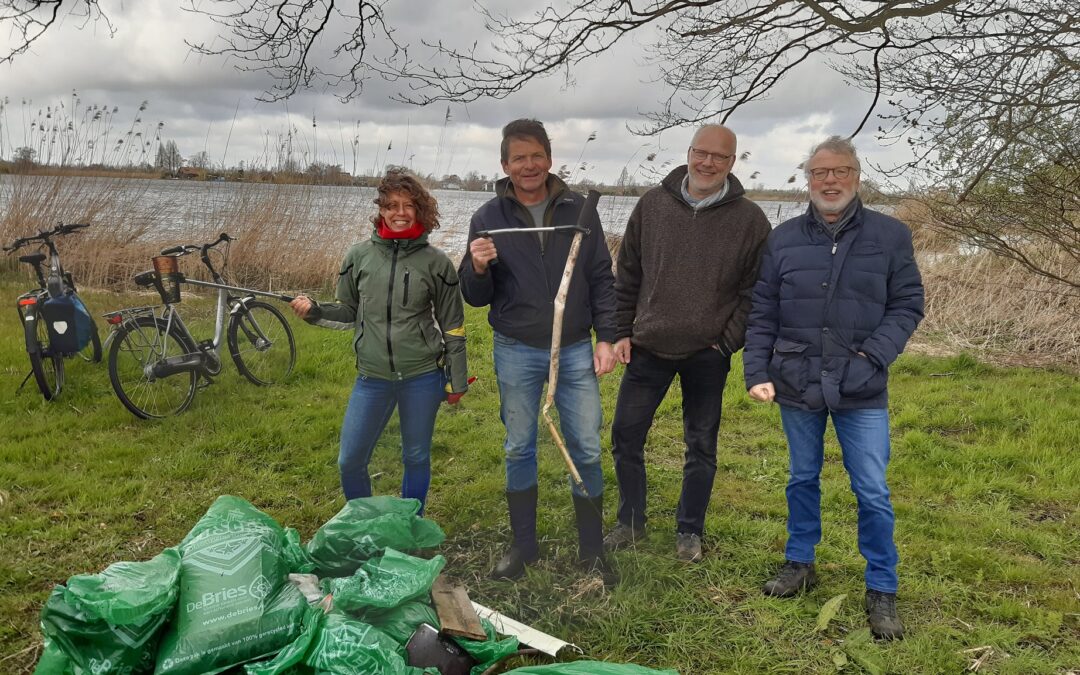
[523, 550]
[590, 527]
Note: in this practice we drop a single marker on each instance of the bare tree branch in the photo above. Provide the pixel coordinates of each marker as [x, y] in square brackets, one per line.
[29, 19]
[287, 39]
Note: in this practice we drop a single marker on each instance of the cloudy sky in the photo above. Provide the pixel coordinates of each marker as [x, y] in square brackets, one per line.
[205, 104]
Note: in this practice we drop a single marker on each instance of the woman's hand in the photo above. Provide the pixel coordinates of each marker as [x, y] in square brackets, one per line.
[301, 304]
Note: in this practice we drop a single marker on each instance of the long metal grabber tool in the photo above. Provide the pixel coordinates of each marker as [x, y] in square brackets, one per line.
[237, 289]
[525, 230]
[587, 209]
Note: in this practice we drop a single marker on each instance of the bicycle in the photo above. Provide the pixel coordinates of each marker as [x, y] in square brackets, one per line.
[155, 363]
[55, 321]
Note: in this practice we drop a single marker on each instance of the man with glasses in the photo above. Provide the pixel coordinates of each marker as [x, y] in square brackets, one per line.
[838, 298]
[686, 268]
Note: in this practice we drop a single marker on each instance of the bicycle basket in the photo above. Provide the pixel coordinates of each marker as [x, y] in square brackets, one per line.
[169, 277]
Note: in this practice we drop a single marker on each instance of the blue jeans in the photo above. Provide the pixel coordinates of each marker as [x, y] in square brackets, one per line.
[370, 406]
[864, 441]
[521, 371]
[645, 383]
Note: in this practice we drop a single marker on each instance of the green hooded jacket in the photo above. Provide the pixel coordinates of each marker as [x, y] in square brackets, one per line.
[401, 299]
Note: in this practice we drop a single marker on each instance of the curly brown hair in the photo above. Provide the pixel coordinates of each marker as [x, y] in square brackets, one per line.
[399, 180]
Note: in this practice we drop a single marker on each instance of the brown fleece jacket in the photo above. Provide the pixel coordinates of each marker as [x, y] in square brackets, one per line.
[684, 278]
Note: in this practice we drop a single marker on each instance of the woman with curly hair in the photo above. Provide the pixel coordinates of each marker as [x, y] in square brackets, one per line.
[400, 297]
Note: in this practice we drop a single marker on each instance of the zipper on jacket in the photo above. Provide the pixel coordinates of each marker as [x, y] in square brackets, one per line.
[389, 308]
[405, 299]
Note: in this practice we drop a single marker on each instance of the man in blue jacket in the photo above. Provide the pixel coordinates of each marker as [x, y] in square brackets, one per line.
[838, 297]
[520, 290]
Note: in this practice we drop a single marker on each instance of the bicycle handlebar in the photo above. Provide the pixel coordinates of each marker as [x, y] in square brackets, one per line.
[45, 236]
[184, 249]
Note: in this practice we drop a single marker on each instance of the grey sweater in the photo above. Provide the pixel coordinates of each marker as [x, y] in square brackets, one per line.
[684, 278]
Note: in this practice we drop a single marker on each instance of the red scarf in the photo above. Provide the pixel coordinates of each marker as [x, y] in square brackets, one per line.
[411, 232]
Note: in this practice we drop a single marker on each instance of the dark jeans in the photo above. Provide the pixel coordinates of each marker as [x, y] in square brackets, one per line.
[371, 404]
[644, 385]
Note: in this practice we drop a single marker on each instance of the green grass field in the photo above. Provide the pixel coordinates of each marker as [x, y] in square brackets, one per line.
[985, 479]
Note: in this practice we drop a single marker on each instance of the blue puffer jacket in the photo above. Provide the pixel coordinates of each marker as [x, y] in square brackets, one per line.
[819, 301]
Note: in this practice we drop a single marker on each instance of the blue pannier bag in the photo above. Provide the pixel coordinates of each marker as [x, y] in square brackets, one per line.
[68, 322]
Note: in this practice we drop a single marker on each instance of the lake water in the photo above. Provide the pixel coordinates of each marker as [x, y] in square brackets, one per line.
[340, 212]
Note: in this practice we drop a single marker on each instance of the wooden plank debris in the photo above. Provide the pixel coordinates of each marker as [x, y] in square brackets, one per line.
[456, 613]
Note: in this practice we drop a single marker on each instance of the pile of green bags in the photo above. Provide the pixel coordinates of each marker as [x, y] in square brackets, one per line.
[222, 598]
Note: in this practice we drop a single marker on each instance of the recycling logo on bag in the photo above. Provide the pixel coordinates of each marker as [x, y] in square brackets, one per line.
[260, 588]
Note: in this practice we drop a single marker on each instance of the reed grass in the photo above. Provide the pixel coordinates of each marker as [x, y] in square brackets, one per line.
[286, 238]
[992, 307]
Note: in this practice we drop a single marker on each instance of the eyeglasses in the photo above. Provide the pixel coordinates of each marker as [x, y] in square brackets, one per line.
[701, 156]
[841, 172]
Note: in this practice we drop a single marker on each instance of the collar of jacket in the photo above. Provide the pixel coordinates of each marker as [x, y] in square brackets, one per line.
[812, 217]
[673, 184]
[402, 244]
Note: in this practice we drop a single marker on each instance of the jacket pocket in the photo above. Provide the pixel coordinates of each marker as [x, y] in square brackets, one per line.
[358, 329]
[405, 294]
[789, 367]
[863, 379]
[430, 338]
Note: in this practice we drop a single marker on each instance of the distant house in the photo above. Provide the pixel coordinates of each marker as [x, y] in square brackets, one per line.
[188, 173]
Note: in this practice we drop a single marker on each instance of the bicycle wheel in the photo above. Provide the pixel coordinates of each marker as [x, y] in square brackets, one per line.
[261, 343]
[48, 368]
[91, 353]
[140, 343]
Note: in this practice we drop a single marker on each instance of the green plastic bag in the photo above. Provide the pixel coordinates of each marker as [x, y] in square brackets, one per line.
[487, 652]
[296, 556]
[92, 645]
[293, 653]
[334, 644]
[128, 592]
[111, 622]
[235, 603]
[589, 668]
[366, 526]
[53, 661]
[385, 582]
[402, 621]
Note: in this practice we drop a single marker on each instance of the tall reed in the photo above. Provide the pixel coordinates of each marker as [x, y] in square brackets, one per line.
[286, 237]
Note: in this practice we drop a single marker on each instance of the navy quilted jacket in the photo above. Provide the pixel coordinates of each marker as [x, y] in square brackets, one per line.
[819, 301]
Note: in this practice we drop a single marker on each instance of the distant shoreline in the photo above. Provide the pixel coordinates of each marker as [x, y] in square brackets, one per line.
[338, 180]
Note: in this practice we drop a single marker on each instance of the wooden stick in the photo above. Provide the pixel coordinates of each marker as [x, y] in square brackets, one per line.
[556, 339]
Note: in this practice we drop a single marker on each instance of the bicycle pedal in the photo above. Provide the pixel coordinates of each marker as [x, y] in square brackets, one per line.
[203, 382]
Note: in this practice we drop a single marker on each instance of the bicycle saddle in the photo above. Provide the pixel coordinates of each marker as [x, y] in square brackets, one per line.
[33, 259]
